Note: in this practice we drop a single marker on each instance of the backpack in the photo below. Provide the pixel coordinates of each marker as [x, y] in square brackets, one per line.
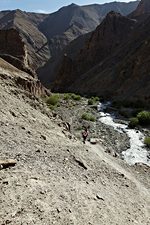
[85, 133]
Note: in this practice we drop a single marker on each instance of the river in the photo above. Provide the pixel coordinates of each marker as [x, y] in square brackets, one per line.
[137, 153]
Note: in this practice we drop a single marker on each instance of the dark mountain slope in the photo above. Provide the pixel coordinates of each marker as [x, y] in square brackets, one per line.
[46, 35]
[101, 44]
[124, 75]
[115, 69]
[81, 18]
[143, 8]
[71, 22]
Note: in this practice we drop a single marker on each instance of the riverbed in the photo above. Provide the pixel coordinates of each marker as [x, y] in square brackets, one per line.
[137, 152]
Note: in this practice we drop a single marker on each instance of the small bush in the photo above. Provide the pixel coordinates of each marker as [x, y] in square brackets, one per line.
[53, 100]
[96, 99]
[93, 100]
[90, 101]
[147, 141]
[133, 122]
[67, 96]
[76, 97]
[88, 117]
[72, 96]
[144, 117]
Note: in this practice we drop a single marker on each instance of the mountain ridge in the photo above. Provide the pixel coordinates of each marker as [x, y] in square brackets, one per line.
[44, 44]
[116, 75]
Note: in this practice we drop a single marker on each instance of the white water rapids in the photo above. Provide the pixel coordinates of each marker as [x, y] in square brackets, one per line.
[137, 152]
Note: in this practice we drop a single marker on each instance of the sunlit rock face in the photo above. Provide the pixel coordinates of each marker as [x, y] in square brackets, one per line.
[14, 50]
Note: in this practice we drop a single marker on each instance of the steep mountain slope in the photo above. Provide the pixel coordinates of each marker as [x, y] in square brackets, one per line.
[21, 79]
[102, 42]
[116, 69]
[57, 180]
[143, 8]
[44, 41]
[14, 50]
[74, 20]
[27, 25]
[71, 22]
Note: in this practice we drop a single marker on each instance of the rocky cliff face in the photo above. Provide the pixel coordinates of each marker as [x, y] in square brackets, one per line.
[114, 29]
[13, 49]
[104, 40]
[113, 63]
[27, 26]
[143, 8]
[22, 79]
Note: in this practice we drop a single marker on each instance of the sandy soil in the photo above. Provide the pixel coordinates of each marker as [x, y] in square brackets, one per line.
[58, 180]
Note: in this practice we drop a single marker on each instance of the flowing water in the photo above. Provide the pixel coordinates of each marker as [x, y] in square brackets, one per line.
[137, 152]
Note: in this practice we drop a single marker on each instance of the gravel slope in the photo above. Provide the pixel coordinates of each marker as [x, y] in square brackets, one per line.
[61, 181]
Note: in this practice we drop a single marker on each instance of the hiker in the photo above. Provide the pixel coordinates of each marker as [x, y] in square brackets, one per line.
[85, 135]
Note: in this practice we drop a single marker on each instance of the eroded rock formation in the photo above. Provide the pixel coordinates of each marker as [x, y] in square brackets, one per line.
[14, 50]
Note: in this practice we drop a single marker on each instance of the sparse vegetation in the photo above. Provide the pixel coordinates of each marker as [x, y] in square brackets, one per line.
[88, 117]
[53, 100]
[72, 96]
[76, 97]
[67, 96]
[93, 100]
[133, 122]
[147, 141]
[144, 117]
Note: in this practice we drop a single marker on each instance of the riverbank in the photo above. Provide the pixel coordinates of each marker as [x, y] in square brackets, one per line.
[111, 131]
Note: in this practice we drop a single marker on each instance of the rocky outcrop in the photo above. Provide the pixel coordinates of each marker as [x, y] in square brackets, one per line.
[33, 86]
[27, 26]
[114, 29]
[14, 50]
[24, 80]
[143, 8]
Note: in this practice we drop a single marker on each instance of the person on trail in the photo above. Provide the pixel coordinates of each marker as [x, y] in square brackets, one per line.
[85, 134]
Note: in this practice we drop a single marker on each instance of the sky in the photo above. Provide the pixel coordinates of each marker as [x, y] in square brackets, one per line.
[46, 6]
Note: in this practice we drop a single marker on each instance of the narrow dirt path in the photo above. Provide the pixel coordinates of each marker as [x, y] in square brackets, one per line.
[77, 113]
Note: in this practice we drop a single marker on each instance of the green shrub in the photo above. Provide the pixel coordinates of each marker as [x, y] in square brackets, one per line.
[93, 100]
[88, 117]
[53, 100]
[75, 97]
[90, 101]
[147, 141]
[96, 99]
[144, 117]
[72, 96]
[133, 122]
[67, 96]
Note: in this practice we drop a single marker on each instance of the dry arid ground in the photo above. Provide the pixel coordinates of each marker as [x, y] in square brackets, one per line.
[58, 180]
